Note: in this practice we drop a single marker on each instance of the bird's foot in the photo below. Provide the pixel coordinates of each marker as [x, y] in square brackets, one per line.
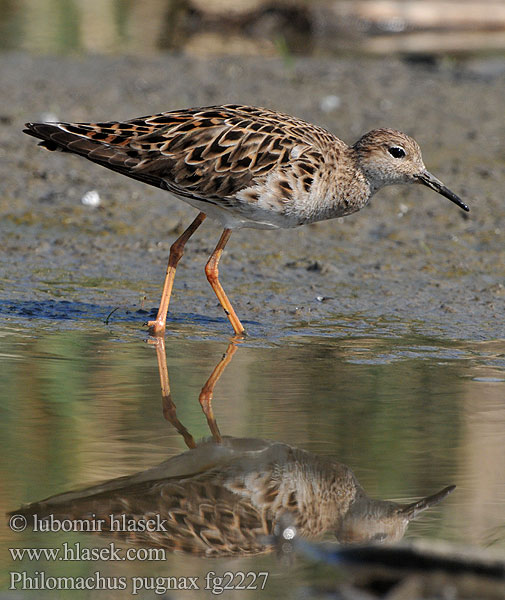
[156, 328]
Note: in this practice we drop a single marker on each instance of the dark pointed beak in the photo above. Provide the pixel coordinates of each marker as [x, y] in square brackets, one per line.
[412, 510]
[433, 183]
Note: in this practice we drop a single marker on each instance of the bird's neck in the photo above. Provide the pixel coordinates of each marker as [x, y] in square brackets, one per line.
[323, 489]
[355, 189]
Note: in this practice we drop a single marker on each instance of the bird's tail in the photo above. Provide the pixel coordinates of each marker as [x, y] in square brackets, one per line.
[105, 144]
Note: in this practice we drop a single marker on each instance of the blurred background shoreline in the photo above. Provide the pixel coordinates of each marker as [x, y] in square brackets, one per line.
[417, 28]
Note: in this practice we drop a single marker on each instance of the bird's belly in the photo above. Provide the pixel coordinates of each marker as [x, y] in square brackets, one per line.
[236, 216]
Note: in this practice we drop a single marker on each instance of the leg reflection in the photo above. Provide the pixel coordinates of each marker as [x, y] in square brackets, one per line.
[205, 398]
[207, 392]
[169, 408]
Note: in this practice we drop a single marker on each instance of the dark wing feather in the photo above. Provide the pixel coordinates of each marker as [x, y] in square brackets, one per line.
[198, 515]
[203, 153]
[79, 139]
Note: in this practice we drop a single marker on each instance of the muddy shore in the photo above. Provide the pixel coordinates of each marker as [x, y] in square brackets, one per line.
[411, 257]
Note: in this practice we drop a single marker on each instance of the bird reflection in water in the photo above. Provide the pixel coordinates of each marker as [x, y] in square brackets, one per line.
[224, 496]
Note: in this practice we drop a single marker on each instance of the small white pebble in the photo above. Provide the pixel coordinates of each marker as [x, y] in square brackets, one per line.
[404, 209]
[385, 104]
[329, 103]
[91, 198]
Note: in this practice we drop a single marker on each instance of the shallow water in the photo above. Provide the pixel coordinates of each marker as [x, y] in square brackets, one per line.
[409, 415]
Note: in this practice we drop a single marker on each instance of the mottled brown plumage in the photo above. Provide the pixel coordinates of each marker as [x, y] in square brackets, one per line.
[223, 499]
[245, 167]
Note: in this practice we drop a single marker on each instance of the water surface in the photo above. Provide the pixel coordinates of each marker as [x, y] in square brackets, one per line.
[409, 415]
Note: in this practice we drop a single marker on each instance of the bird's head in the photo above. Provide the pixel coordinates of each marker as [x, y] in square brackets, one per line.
[388, 157]
[370, 520]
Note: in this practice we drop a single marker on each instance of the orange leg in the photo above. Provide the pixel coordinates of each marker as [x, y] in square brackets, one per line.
[211, 270]
[176, 251]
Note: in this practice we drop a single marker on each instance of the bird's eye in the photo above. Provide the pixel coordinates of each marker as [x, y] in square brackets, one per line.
[396, 151]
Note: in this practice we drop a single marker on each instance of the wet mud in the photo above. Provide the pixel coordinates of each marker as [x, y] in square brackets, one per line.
[410, 258]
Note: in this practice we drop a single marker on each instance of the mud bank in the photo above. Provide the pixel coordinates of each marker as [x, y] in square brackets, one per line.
[410, 257]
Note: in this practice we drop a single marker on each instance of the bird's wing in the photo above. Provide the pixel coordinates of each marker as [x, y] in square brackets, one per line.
[217, 499]
[204, 153]
[196, 515]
